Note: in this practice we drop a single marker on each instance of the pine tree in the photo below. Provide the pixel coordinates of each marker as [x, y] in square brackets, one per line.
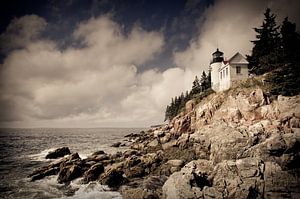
[209, 79]
[196, 86]
[203, 81]
[167, 113]
[187, 96]
[266, 47]
[290, 42]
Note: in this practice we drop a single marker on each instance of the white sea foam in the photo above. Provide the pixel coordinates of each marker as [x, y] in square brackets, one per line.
[83, 155]
[93, 190]
[41, 156]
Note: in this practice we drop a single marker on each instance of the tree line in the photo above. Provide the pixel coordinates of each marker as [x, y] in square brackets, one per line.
[276, 51]
[178, 102]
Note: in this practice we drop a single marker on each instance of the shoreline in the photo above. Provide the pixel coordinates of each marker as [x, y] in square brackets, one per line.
[231, 144]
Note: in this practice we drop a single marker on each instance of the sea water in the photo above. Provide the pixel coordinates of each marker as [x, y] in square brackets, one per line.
[23, 150]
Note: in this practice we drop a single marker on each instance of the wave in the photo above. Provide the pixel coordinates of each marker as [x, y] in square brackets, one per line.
[93, 190]
[41, 156]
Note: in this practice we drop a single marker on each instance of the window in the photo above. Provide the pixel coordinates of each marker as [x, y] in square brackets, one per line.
[227, 72]
[221, 74]
[238, 70]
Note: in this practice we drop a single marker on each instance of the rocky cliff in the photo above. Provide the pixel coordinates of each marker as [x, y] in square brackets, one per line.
[234, 144]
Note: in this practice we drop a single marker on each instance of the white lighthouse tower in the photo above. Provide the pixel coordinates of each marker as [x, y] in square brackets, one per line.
[215, 65]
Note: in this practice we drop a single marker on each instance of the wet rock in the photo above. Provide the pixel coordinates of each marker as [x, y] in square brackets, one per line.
[147, 188]
[60, 152]
[130, 152]
[53, 168]
[69, 173]
[117, 144]
[93, 173]
[135, 171]
[98, 153]
[171, 166]
[113, 177]
[47, 172]
[98, 157]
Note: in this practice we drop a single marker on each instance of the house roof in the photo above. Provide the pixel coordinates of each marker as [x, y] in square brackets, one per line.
[237, 58]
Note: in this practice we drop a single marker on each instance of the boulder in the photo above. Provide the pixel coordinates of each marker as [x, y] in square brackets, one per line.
[279, 183]
[239, 179]
[47, 172]
[130, 152]
[189, 181]
[135, 171]
[175, 163]
[93, 173]
[53, 168]
[171, 143]
[112, 177]
[276, 145]
[99, 157]
[153, 143]
[288, 106]
[117, 144]
[147, 188]
[166, 138]
[57, 153]
[101, 152]
[69, 173]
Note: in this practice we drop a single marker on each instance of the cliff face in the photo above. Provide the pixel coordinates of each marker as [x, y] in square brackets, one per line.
[235, 144]
[242, 146]
[245, 146]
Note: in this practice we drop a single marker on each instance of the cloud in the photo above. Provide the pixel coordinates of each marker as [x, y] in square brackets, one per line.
[229, 25]
[98, 82]
[93, 83]
[22, 31]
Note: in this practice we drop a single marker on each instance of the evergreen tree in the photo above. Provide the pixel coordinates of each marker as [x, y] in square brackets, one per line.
[203, 81]
[196, 86]
[187, 96]
[167, 113]
[267, 45]
[209, 79]
[290, 42]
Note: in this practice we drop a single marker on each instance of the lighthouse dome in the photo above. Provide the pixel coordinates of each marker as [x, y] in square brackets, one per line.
[218, 56]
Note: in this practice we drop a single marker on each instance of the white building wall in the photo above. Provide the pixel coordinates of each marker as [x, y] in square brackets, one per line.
[215, 75]
[225, 79]
[224, 82]
[244, 72]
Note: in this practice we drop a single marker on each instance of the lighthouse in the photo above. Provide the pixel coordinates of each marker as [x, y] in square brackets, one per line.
[225, 73]
[215, 65]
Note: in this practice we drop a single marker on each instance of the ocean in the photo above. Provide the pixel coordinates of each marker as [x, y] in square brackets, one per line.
[23, 150]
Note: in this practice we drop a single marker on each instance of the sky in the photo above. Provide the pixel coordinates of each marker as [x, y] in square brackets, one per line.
[115, 63]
